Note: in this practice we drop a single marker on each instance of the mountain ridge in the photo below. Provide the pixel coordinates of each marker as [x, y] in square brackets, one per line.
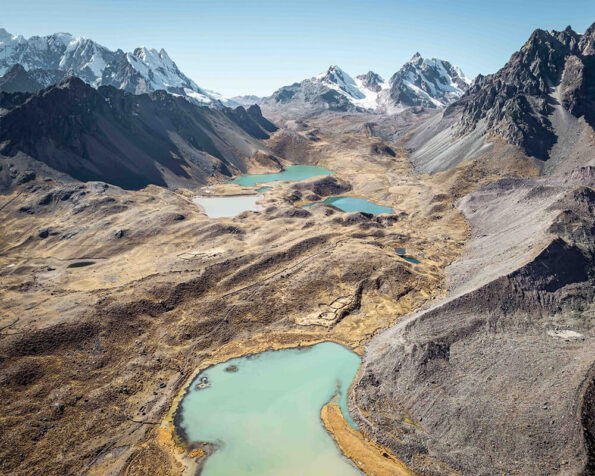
[110, 135]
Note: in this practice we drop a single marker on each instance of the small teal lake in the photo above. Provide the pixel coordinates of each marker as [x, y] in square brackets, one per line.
[293, 173]
[217, 207]
[263, 412]
[351, 204]
[410, 259]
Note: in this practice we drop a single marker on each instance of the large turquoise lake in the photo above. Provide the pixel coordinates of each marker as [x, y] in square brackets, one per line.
[351, 204]
[263, 412]
[293, 173]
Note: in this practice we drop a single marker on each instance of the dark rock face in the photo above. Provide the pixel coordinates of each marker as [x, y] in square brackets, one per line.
[371, 81]
[251, 121]
[131, 141]
[500, 378]
[516, 101]
[255, 113]
[17, 79]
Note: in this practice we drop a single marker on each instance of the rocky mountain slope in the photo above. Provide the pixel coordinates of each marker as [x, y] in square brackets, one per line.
[429, 83]
[540, 102]
[500, 376]
[110, 135]
[142, 71]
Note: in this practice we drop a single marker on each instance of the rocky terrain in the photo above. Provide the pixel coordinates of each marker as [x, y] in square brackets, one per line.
[17, 79]
[498, 377]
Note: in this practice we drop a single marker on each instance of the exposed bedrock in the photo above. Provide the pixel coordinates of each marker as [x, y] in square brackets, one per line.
[498, 378]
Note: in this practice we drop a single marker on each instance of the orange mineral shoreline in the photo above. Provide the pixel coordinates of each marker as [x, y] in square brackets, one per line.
[369, 457]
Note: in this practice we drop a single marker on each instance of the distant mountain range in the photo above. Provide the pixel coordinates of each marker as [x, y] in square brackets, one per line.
[35, 63]
[429, 83]
[49, 59]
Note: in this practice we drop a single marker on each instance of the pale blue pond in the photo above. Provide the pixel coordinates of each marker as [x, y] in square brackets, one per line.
[263, 412]
[263, 189]
[351, 204]
[216, 207]
[293, 173]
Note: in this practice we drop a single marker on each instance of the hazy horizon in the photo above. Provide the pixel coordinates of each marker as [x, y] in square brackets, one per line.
[250, 47]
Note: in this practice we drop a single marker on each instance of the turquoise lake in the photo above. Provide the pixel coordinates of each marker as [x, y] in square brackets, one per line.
[410, 259]
[217, 207]
[351, 204]
[263, 412]
[293, 173]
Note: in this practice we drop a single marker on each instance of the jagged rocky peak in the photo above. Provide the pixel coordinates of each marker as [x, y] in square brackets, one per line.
[587, 42]
[517, 102]
[371, 80]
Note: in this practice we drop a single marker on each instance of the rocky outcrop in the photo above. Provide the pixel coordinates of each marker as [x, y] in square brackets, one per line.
[251, 121]
[371, 81]
[497, 378]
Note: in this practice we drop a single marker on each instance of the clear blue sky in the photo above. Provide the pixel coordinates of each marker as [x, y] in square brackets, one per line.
[256, 46]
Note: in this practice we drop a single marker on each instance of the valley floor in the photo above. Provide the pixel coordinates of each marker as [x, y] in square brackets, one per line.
[94, 358]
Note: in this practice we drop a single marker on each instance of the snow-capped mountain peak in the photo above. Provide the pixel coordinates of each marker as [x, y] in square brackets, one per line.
[337, 79]
[416, 58]
[426, 82]
[421, 82]
[142, 71]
